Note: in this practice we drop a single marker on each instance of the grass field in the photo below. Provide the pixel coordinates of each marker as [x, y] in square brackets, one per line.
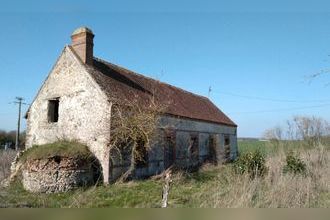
[246, 146]
[272, 148]
[211, 186]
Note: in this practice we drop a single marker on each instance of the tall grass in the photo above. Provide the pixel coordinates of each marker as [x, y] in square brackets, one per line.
[211, 186]
[276, 189]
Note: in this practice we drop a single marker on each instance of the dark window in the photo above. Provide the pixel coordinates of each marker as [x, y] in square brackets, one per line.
[227, 140]
[212, 148]
[227, 147]
[169, 151]
[194, 152]
[53, 106]
[141, 158]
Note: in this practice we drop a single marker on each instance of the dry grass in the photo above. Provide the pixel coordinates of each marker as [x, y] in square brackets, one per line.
[276, 189]
[211, 186]
[6, 158]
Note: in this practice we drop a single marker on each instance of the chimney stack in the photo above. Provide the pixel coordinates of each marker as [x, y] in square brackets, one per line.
[82, 43]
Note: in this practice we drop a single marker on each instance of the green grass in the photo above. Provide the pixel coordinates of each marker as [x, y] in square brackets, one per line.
[248, 146]
[210, 187]
[143, 193]
[271, 148]
[60, 148]
[133, 194]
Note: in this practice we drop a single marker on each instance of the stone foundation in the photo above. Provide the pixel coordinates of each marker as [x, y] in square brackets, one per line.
[56, 174]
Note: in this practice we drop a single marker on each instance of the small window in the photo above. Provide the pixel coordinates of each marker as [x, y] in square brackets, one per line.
[53, 110]
[227, 140]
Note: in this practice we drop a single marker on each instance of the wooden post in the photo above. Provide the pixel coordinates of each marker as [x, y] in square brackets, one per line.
[166, 188]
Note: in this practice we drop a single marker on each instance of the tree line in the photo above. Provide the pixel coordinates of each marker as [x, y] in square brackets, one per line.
[311, 129]
[9, 137]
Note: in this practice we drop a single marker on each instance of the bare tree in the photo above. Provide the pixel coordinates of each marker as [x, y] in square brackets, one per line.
[134, 127]
[291, 134]
[310, 129]
[274, 134]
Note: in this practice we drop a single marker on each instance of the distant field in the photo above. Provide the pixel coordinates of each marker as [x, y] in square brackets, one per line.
[252, 145]
[270, 148]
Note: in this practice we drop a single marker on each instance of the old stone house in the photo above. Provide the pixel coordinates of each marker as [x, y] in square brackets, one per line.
[75, 102]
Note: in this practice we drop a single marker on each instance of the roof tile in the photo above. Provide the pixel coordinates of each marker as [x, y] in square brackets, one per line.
[123, 84]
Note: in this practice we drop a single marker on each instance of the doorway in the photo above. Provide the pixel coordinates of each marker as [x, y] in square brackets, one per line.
[227, 148]
[169, 150]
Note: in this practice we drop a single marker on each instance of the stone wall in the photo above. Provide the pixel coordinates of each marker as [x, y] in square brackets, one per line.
[79, 118]
[89, 121]
[53, 175]
[183, 128]
[186, 127]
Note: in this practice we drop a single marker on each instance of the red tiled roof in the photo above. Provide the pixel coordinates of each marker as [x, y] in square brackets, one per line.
[123, 84]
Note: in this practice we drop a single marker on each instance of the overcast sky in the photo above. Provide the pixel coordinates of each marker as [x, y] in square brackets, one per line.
[255, 55]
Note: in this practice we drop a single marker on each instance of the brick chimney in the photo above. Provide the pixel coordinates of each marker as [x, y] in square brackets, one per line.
[82, 43]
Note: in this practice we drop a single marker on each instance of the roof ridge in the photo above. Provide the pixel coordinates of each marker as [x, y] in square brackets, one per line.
[150, 78]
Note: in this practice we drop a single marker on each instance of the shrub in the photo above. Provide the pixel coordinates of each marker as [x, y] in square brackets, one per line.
[253, 163]
[294, 164]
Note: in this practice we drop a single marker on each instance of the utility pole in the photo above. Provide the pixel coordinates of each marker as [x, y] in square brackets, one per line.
[19, 101]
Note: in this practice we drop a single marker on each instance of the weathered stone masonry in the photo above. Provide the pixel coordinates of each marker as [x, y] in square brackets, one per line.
[84, 112]
[82, 86]
[183, 129]
[51, 175]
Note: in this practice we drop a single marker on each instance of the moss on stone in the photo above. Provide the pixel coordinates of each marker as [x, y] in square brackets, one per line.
[67, 149]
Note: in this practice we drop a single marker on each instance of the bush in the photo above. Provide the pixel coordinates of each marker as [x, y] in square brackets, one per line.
[253, 163]
[294, 164]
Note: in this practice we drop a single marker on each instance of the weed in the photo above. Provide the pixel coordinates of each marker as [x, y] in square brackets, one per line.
[253, 163]
[294, 164]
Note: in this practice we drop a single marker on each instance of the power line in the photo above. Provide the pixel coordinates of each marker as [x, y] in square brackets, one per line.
[270, 99]
[283, 109]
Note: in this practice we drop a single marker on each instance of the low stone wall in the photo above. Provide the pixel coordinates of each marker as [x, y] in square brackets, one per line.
[56, 174]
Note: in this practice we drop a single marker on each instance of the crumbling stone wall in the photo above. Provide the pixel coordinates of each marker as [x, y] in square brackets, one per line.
[84, 110]
[56, 174]
[85, 113]
[204, 130]
[183, 129]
